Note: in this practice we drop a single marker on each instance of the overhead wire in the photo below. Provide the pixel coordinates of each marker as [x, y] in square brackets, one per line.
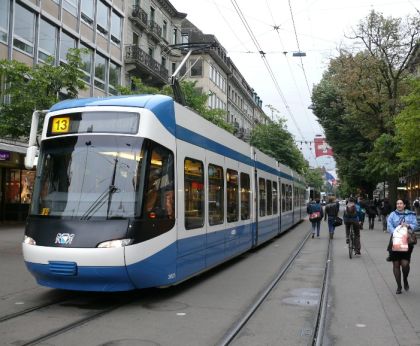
[266, 63]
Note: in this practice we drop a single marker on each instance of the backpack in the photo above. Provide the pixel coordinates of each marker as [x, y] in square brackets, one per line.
[351, 209]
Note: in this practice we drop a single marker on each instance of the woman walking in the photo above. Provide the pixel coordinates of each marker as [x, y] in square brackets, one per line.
[316, 214]
[401, 259]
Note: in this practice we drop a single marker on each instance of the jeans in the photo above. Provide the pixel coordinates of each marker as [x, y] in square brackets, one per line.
[331, 227]
[317, 225]
[356, 231]
[371, 221]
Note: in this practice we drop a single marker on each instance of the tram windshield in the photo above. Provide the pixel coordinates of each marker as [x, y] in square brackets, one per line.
[86, 177]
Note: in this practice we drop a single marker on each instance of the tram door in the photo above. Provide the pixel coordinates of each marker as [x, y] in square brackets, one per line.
[191, 230]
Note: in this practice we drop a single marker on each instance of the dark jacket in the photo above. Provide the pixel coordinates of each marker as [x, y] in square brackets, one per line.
[386, 208]
[331, 210]
[313, 207]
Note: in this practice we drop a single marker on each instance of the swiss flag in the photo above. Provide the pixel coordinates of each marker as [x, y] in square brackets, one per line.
[322, 148]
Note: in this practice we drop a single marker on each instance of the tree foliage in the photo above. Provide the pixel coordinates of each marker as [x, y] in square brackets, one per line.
[30, 88]
[360, 95]
[273, 139]
[313, 178]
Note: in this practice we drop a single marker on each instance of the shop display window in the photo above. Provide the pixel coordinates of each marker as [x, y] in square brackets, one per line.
[19, 186]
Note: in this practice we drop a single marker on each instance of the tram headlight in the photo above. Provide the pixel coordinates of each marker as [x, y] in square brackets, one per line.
[116, 243]
[28, 240]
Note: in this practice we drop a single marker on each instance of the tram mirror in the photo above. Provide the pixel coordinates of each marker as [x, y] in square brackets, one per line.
[31, 158]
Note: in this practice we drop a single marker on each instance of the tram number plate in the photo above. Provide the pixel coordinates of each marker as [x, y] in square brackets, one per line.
[60, 125]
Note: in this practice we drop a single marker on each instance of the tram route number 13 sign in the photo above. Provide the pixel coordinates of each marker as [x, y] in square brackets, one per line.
[60, 125]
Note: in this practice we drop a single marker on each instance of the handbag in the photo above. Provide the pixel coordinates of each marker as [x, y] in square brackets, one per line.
[338, 221]
[412, 238]
[400, 239]
[316, 215]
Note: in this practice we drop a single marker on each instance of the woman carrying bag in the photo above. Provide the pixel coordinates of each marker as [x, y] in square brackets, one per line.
[331, 212]
[401, 255]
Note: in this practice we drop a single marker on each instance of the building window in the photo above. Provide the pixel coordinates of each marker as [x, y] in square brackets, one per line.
[173, 67]
[66, 43]
[100, 69]
[135, 39]
[216, 195]
[196, 67]
[165, 30]
[87, 64]
[194, 193]
[115, 28]
[87, 11]
[70, 6]
[184, 38]
[19, 185]
[114, 78]
[152, 14]
[47, 40]
[102, 18]
[4, 20]
[163, 62]
[174, 36]
[24, 29]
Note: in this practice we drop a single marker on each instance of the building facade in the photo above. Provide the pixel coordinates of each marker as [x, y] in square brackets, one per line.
[217, 76]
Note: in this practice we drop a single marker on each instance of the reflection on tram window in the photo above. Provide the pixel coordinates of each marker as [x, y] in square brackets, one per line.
[160, 194]
[262, 196]
[216, 195]
[194, 193]
[245, 197]
[275, 198]
[269, 198]
[283, 198]
[232, 195]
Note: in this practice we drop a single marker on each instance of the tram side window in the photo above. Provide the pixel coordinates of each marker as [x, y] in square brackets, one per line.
[245, 196]
[275, 198]
[216, 195]
[232, 195]
[269, 198]
[262, 196]
[283, 198]
[289, 197]
[194, 193]
[160, 195]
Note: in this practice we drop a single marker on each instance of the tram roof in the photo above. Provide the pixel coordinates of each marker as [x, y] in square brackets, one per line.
[142, 101]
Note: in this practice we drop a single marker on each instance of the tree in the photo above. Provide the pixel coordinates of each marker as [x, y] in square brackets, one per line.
[407, 132]
[30, 88]
[313, 178]
[273, 139]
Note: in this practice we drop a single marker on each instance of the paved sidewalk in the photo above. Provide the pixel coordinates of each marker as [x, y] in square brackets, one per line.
[363, 306]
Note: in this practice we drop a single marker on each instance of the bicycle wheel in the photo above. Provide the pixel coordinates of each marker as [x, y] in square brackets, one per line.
[351, 246]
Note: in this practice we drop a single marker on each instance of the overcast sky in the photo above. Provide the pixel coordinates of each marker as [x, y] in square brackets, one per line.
[321, 27]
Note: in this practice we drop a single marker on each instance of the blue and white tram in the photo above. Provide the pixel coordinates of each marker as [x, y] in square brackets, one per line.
[139, 191]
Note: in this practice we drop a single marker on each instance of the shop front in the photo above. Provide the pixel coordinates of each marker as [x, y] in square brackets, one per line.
[16, 182]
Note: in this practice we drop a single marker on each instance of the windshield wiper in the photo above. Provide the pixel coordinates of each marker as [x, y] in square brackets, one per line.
[99, 202]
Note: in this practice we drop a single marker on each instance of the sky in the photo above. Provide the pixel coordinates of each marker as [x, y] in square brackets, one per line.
[280, 28]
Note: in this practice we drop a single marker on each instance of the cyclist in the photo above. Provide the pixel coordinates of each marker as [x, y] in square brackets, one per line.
[351, 217]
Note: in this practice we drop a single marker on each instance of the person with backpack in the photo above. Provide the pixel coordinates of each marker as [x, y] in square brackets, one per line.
[316, 214]
[351, 218]
[362, 210]
[386, 209]
[331, 211]
[401, 259]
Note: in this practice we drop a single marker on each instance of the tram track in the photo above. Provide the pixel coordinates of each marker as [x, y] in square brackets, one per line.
[320, 314]
[85, 309]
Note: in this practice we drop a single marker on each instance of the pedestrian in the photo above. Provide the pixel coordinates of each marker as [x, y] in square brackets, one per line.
[371, 212]
[351, 218]
[416, 206]
[377, 203]
[331, 212]
[386, 209]
[316, 214]
[401, 259]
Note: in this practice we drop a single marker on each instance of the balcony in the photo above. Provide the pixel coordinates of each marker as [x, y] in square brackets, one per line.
[146, 67]
[155, 30]
[139, 16]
